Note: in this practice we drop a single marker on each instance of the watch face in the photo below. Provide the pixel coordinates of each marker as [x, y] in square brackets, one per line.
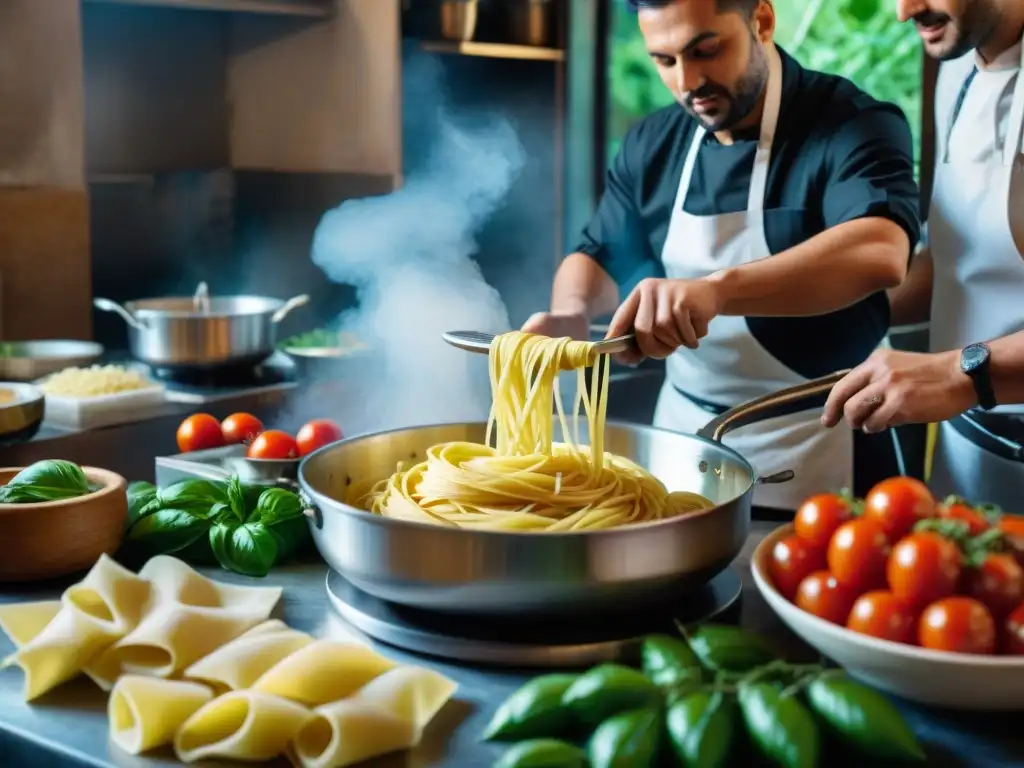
[973, 356]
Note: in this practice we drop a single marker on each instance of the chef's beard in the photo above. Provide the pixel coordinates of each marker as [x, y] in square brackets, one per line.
[741, 100]
[975, 26]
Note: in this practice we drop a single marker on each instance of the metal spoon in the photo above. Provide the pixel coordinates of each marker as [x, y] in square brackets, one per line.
[475, 341]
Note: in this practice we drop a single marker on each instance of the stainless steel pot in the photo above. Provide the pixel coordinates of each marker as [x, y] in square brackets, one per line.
[458, 570]
[180, 332]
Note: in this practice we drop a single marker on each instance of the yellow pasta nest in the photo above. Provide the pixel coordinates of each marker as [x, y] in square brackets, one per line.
[526, 481]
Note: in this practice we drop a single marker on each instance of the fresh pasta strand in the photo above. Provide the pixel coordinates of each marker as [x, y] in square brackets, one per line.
[520, 479]
[144, 713]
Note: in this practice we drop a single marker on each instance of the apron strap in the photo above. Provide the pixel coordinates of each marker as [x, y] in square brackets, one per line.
[959, 105]
[1011, 144]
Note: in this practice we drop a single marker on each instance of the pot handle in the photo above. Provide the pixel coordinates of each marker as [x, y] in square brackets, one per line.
[106, 305]
[762, 408]
[293, 303]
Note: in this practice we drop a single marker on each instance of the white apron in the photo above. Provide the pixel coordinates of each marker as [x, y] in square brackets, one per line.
[730, 366]
[979, 271]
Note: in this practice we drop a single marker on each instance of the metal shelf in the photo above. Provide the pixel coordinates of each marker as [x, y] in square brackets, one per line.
[495, 50]
[316, 9]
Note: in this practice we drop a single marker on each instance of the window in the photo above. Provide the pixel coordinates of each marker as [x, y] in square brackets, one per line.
[858, 39]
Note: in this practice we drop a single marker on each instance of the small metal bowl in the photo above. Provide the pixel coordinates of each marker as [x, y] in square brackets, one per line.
[31, 360]
[22, 407]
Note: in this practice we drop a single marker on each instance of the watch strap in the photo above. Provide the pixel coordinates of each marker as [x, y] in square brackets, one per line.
[981, 378]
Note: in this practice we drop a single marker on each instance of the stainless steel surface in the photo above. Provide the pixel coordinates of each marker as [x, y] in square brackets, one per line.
[465, 571]
[761, 408]
[70, 730]
[221, 463]
[20, 418]
[475, 341]
[31, 360]
[521, 643]
[229, 330]
[459, 19]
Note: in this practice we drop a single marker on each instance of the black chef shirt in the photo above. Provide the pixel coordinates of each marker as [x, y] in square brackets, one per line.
[838, 155]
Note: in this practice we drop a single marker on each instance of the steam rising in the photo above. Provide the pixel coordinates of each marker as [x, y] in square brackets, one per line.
[409, 256]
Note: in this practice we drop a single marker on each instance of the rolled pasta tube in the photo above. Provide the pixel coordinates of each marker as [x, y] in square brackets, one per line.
[388, 715]
[178, 582]
[323, 671]
[170, 639]
[243, 661]
[112, 594]
[241, 725]
[145, 712]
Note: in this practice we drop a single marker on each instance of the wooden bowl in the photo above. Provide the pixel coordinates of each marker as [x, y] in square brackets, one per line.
[55, 538]
[959, 681]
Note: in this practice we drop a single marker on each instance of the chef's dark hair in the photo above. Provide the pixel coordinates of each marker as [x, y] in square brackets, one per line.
[741, 6]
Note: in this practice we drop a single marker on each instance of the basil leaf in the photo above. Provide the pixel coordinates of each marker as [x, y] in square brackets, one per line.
[236, 497]
[247, 548]
[198, 552]
[197, 495]
[292, 537]
[251, 493]
[139, 495]
[165, 531]
[49, 480]
[276, 505]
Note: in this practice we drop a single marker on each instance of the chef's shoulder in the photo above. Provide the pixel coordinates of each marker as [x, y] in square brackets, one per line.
[649, 145]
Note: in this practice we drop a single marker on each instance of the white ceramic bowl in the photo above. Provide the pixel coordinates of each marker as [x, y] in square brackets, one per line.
[956, 680]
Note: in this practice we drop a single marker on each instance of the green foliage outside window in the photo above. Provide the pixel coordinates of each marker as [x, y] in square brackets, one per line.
[858, 39]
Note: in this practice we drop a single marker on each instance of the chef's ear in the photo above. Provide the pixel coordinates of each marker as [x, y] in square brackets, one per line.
[764, 21]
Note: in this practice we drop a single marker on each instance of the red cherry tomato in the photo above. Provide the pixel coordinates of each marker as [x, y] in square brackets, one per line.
[1014, 632]
[883, 615]
[897, 504]
[821, 595]
[957, 624]
[998, 584]
[316, 434]
[240, 428]
[199, 432]
[923, 568]
[820, 516]
[1012, 527]
[857, 555]
[976, 522]
[793, 560]
[273, 444]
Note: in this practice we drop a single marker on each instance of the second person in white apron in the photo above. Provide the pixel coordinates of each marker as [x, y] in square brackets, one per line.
[779, 203]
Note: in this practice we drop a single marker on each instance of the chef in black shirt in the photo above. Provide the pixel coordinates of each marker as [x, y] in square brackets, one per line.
[779, 203]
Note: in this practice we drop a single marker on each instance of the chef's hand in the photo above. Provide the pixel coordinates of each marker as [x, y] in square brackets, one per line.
[892, 388]
[665, 315]
[558, 325]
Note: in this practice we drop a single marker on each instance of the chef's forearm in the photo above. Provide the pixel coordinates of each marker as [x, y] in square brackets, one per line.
[1007, 368]
[583, 287]
[830, 271]
[911, 300]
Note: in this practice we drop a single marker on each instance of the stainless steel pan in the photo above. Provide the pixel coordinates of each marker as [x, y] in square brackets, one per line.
[479, 572]
[220, 331]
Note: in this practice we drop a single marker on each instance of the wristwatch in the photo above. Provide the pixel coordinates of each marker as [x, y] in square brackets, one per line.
[974, 362]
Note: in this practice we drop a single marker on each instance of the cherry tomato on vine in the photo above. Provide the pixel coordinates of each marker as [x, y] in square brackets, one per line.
[998, 584]
[316, 434]
[857, 555]
[273, 444]
[923, 568]
[957, 624]
[897, 504]
[1014, 632]
[821, 595]
[965, 513]
[820, 516]
[198, 433]
[241, 428]
[792, 560]
[1012, 527]
[883, 615]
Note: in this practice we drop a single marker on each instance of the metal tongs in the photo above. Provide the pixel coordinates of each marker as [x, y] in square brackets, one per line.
[475, 341]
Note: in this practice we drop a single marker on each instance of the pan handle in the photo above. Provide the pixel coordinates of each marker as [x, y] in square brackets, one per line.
[761, 408]
[293, 303]
[106, 305]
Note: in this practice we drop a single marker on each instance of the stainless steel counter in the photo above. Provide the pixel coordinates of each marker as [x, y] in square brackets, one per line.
[68, 728]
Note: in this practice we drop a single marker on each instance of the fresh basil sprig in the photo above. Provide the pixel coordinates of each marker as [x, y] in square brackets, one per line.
[245, 529]
[49, 480]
